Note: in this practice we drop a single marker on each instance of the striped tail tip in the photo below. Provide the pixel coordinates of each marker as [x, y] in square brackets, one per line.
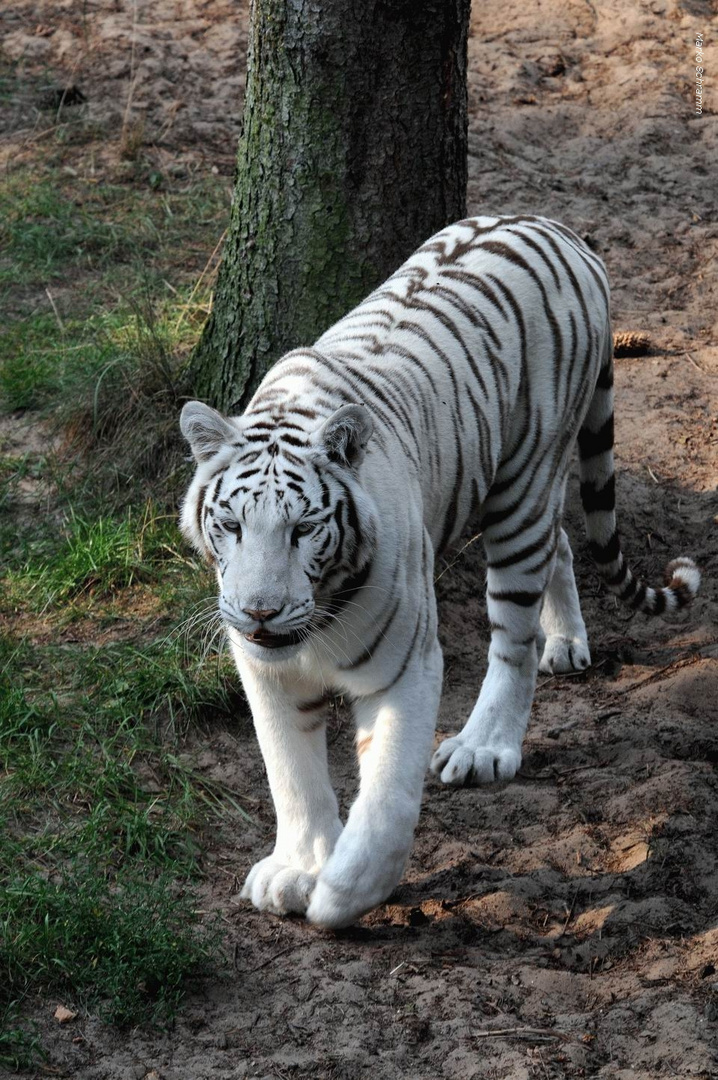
[683, 579]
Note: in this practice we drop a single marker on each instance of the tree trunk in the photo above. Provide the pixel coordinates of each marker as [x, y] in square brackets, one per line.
[353, 151]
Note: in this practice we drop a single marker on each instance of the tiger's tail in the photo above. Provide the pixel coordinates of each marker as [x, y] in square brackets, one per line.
[598, 497]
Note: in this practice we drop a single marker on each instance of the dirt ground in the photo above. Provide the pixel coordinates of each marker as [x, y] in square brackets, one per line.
[566, 924]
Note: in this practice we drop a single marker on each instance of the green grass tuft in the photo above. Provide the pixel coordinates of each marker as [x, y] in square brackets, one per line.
[122, 947]
[96, 734]
[100, 556]
[44, 232]
[19, 1047]
[29, 363]
[101, 816]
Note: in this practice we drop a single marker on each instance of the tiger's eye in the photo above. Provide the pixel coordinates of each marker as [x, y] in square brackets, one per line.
[233, 527]
[304, 528]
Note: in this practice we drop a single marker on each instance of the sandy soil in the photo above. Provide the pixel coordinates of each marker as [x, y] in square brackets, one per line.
[566, 924]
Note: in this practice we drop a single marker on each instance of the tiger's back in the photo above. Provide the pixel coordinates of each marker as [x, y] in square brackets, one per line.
[481, 351]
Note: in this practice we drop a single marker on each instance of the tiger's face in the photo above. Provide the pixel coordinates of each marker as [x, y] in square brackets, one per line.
[280, 513]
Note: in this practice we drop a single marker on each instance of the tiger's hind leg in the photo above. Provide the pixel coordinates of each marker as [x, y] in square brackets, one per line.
[566, 646]
[521, 555]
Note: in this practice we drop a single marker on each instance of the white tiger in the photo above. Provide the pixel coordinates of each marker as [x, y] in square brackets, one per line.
[459, 386]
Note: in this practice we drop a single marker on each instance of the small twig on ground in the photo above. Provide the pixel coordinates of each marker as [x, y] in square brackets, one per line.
[230, 874]
[524, 1032]
[652, 475]
[35, 135]
[570, 914]
[133, 77]
[607, 714]
[68, 86]
[695, 365]
[186, 306]
[570, 674]
[271, 959]
[579, 768]
[55, 311]
[543, 1063]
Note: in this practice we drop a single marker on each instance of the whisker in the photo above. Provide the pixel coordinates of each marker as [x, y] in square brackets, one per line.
[341, 627]
[360, 640]
[321, 635]
[305, 636]
[190, 620]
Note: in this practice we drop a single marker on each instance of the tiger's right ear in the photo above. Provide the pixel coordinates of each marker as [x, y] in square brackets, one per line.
[206, 430]
[345, 433]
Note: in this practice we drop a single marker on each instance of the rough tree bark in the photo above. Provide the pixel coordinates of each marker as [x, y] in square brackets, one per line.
[353, 151]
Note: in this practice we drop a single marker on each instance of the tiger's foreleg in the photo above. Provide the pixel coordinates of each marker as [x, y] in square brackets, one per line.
[395, 733]
[489, 746]
[292, 739]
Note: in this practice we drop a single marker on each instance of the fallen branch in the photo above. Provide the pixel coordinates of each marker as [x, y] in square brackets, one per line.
[674, 666]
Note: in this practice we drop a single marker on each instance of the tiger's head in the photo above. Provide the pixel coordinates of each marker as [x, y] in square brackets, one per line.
[279, 510]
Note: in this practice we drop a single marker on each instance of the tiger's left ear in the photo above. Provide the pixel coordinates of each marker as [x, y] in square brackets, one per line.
[344, 436]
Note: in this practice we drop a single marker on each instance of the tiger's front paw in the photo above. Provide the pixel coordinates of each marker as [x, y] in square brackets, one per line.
[274, 886]
[341, 897]
[365, 868]
[562, 655]
[333, 907]
[458, 763]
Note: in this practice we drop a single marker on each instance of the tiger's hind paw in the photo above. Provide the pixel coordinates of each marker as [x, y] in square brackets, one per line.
[562, 655]
[456, 763]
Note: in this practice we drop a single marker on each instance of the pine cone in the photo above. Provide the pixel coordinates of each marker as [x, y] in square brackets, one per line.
[631, 343]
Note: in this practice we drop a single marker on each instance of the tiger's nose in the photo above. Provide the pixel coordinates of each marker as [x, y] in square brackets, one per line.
[261, 614]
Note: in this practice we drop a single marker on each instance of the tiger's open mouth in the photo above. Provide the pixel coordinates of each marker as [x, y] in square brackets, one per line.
[268, 640]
